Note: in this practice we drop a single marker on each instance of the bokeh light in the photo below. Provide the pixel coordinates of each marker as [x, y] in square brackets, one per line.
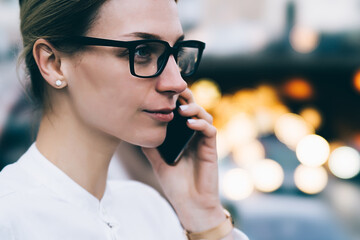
[290, 128]
[223, 111]
[267, 95]
[310, 180]
[298, 89]
[223, 145]
[245, 100]
[266, 117]
[356, 81]
[344, 162]
[248, 153]
[241, 129]
[267, 175]
[312, 116]
[313, 150]
[304, 39]
[356, 140]
[237, 184]
[336, 144]
[206, 93]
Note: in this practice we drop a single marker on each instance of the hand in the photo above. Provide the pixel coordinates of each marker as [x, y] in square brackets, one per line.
[192, 185]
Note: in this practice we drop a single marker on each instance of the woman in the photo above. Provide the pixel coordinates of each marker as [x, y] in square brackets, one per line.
[94, 94]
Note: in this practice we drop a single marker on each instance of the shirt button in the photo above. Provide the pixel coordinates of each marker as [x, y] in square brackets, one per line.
[109, 225]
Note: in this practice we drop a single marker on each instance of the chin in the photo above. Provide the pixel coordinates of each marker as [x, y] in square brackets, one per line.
[152, 143]
[148, 144]
[151, 139]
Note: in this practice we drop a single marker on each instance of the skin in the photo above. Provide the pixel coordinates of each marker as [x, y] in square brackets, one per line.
[100, 104]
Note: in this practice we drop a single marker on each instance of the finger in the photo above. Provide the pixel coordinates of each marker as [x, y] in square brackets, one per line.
[194, 110]
[202, 126]
[187, 96]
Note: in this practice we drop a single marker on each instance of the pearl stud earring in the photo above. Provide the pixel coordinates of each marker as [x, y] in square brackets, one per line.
[58, 83]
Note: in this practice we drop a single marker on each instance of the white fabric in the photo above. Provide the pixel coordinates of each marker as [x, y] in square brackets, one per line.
[38, 201]
[117, 170]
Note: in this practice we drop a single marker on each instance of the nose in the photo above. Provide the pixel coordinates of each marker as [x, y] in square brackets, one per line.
[170, 80]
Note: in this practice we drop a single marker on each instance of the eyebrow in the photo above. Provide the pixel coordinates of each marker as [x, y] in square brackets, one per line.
[144, 35]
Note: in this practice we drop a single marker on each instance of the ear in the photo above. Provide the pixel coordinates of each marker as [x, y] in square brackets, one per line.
[49, 63]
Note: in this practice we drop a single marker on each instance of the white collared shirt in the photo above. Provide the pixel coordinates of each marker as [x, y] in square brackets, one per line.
[40, 202]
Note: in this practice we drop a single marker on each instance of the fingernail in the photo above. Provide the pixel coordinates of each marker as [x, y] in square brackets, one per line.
[183, 107]
[191, 120]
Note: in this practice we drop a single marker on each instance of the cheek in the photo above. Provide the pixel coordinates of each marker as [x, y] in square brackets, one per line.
[107, 97]
[102, 93]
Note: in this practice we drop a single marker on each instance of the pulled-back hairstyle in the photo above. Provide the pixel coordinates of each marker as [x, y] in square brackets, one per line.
[51, 19]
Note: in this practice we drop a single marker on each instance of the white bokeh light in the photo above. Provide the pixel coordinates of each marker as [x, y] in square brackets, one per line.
[237, 184]
[248, 153]
[313, 150]
[241, 129]
[290, 128]
[310, 180]
[267, 175]
[304, 39]
[222, 145]
[344, 162]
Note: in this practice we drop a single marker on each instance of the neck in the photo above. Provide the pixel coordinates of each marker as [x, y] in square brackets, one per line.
[80, 151]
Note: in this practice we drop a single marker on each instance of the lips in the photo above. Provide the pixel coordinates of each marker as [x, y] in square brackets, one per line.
[162, 115]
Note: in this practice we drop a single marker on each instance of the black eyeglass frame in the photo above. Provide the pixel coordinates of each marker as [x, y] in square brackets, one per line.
[131, 46]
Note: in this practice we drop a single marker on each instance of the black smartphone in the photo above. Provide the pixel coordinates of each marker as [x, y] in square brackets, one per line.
[178, 135]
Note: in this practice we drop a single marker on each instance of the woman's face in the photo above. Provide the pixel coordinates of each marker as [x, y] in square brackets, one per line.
[103, 93]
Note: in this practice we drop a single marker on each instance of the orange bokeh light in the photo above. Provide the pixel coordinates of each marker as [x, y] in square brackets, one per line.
[356, 81]
[312, 116]
[356, 140]
[298, 89]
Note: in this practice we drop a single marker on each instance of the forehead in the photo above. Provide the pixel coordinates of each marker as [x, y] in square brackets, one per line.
[117, 19]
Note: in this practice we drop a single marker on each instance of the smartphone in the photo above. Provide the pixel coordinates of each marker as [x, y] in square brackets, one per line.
[178, 136]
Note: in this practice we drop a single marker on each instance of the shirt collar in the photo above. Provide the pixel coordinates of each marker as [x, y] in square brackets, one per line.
[50, 176]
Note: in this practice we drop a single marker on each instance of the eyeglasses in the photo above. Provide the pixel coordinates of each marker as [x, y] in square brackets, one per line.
[148, 58]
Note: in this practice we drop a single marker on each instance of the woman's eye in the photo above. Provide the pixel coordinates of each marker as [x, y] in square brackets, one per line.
[142, 51]
[143, 54]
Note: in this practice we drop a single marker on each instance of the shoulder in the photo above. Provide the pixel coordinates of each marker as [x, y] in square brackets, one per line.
[15, 181]
[11, 193]
[9, 181]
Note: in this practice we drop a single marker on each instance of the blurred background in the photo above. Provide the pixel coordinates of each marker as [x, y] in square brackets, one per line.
[282, 80]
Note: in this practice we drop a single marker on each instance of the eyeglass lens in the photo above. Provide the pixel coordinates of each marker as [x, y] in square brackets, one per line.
[186, 59]
[149, 58]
